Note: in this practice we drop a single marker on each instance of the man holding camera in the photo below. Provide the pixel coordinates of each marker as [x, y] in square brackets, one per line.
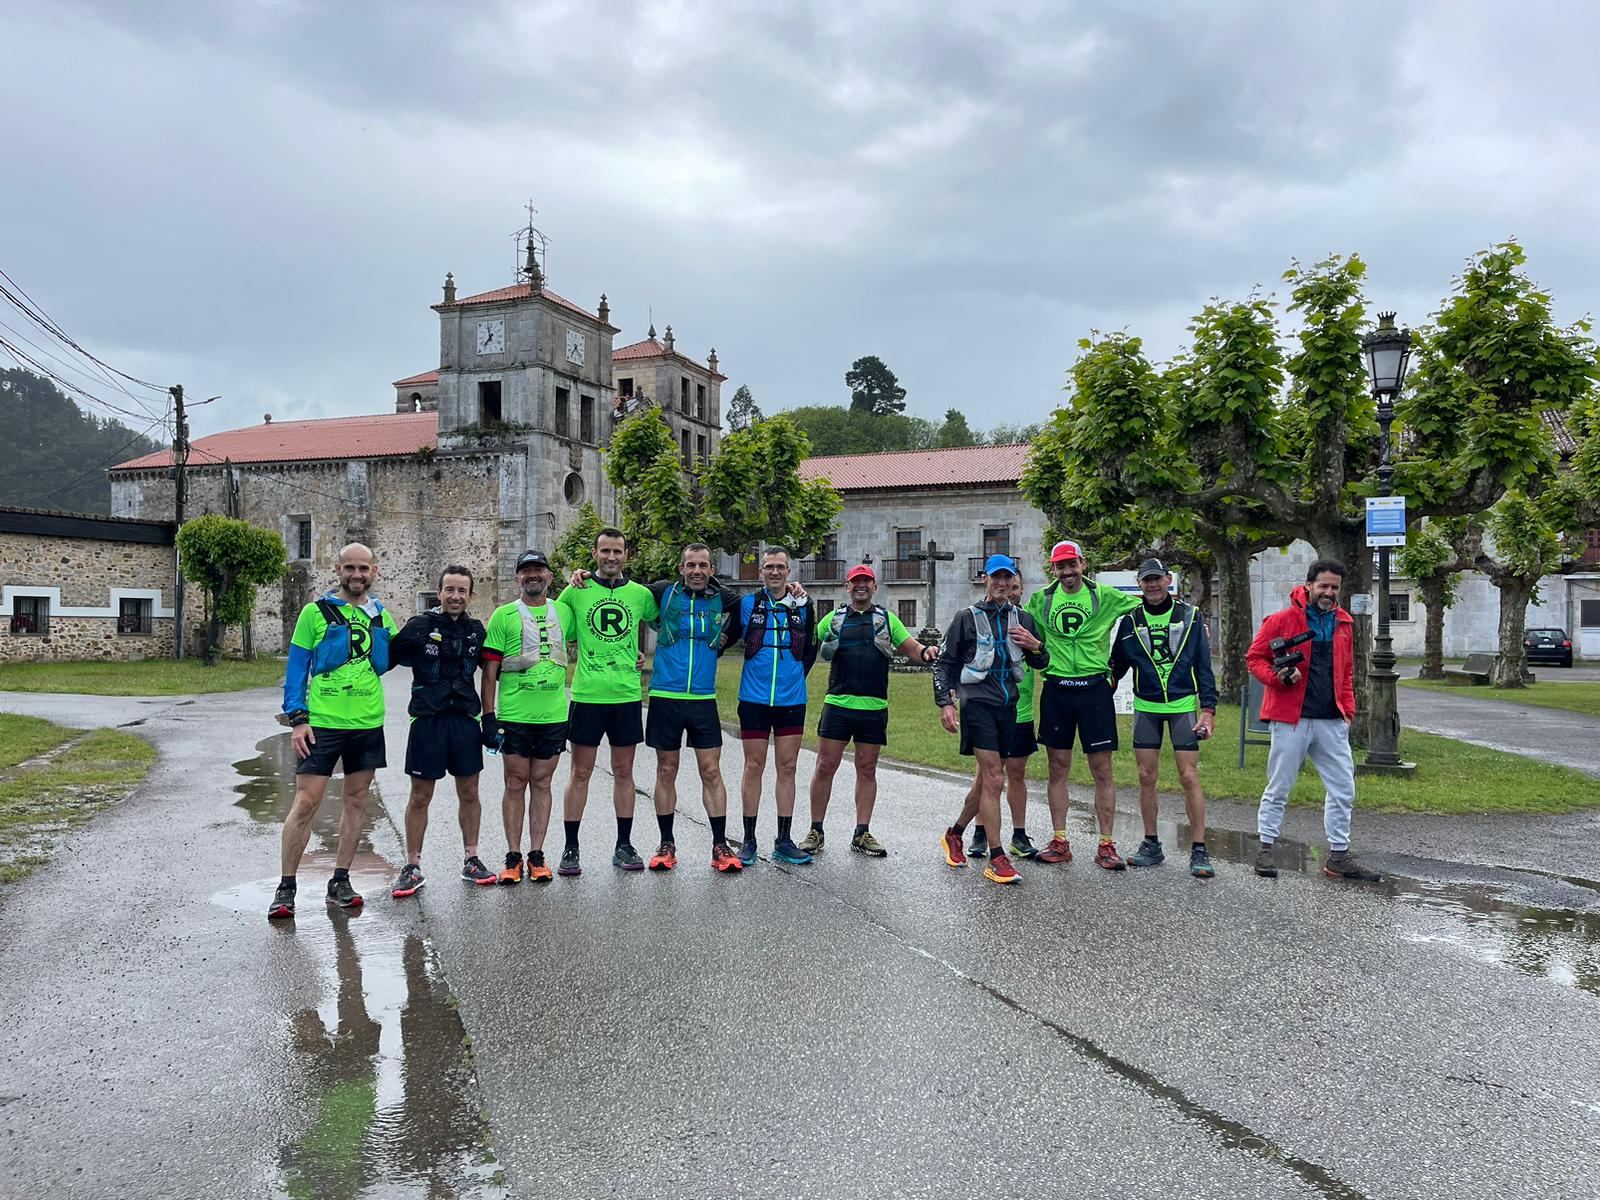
[1305, 658]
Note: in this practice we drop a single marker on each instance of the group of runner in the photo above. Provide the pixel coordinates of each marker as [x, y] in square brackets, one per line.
[503, 687]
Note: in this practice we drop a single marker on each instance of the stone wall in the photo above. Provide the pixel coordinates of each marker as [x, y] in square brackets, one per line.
[84, 580]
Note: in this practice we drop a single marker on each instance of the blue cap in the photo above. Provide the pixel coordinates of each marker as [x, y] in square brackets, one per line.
[1000, 562]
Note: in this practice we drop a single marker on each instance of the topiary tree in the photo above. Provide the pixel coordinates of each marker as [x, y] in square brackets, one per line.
[228, 559]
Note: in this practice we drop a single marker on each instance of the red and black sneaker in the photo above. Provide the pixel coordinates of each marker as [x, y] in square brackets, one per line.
[724, 859]
[282, 907]
[342, 894]
[1106, 856]
[1000, 869]
[954, 853]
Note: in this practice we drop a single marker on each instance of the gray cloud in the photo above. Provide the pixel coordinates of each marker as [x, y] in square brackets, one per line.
[261, 199]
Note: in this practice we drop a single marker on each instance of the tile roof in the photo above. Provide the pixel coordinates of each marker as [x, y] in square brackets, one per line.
[649, 348]
[521, 291]
[388, 435]
[1566, 444]
[427, 377]
[965, 466]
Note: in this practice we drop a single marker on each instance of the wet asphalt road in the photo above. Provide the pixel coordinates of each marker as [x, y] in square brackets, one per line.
[857, 1027]
[1502, 723]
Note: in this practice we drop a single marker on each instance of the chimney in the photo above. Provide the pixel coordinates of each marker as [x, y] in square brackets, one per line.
[667, 343]
[712, 361]
[605, 310]
[449, 288]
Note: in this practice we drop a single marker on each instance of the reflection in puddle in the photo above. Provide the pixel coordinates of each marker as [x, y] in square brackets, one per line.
[388, 1080]
[1560, 945]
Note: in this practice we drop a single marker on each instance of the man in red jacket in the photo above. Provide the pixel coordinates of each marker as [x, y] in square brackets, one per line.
[1310, 711]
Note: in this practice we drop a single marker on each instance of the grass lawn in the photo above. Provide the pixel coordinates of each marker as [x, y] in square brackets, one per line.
[1452, 777]
[39, 801]
[1574, 697]
[149, 677]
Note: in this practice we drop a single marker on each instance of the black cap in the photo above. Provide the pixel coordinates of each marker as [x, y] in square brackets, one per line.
[532, 558]
[1152, 566]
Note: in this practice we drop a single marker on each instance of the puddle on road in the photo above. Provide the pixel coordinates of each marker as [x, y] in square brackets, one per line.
[384, 1062]
[1560, 945]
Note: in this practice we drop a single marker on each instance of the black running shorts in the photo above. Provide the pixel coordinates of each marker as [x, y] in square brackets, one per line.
[672, 718]
[355, 749]
[989, 727]
[450, 742]
[868, 726]
[1081, 707]
[620, 724]
[780, 720]
[1148, 726]
[547, 739]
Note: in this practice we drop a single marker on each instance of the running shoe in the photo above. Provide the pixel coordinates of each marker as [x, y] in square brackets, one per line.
[1200, 863]
[747, 851]
[282, 907]
[473, 871]
[1340, 864]
[1059, 850]
[1264, 864]
[785, 851]
[950, 843]
[409, 882]
[665, 857]
[1022, 845]
[1149, 854]
[812, 842]
[626, 857]
[978, 847]
[342, 894]
[569, 862]
[1000, 870]
[865, 843]
[1106, 856]
[724, 859]
[512, 875]
[537, 871]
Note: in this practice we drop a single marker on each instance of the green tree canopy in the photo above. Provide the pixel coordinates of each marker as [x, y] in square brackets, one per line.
[743, 411]
[228, 559]
[955, 431]
[873, 387]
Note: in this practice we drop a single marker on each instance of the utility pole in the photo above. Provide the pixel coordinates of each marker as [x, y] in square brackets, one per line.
[180, 460]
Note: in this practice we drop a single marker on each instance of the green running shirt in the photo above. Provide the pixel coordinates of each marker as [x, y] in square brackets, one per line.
[1077, 637]
[897, 635]
[537, 696]
[605, 622]
[1025, 697]
[352, 696]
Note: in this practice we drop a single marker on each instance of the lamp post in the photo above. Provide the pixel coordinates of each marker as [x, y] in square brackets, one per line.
[1388, 353]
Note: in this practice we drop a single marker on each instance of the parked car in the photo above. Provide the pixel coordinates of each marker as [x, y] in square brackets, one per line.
[1548, 646]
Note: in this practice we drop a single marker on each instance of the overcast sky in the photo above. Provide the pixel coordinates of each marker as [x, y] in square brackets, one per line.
[261, 199]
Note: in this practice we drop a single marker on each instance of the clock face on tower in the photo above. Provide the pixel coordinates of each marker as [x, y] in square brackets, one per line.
[575, 347]
[491, 337]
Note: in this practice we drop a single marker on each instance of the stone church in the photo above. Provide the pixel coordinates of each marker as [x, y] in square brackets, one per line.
[492, 453]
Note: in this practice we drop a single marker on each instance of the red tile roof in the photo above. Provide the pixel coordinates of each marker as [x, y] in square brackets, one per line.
[965, 466]
[389, 435]
[521, 291]
[649, 348]
[423, 380]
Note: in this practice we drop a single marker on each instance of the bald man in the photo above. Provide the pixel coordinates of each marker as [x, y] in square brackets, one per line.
[333, 705]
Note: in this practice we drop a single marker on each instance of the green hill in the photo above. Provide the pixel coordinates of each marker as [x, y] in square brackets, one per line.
[58, 454]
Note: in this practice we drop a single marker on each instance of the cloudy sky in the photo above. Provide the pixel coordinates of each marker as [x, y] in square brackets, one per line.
[261, 199]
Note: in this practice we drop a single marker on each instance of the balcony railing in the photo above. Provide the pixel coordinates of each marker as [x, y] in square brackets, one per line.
[905, 570]
[821, 570]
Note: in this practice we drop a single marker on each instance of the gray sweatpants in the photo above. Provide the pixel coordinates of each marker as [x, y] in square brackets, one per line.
[1327, 744]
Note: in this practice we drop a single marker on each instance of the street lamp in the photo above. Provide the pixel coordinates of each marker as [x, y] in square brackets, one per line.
[1388, 354]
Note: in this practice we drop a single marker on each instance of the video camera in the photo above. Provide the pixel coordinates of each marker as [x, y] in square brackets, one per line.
[1284, 654]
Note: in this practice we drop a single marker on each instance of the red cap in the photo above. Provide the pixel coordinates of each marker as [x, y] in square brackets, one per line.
[860, 571]
[1062, 551]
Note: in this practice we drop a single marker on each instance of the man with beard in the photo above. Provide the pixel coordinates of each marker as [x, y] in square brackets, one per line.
[857, 642]
[442, 647]
[333, 704]
[524, 694]
[1023, 748]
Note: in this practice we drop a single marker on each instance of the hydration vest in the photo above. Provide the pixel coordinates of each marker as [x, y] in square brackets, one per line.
[755, 629]
[531, 654]
[882, 640]
[333, 651]
[678, 600]
[978, 669]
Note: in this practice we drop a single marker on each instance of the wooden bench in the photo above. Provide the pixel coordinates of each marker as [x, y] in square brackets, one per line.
[1478, 670]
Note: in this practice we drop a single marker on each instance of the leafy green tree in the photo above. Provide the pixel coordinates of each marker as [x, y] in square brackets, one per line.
[1013, 435]
[228, 559]
[575, 547]
[743, 411]
[873, 387]
[955, 431]
[1434, 558]
[835, 430]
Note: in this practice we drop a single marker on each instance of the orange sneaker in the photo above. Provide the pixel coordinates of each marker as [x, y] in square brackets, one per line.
[724, 859]
[537, 871]
[954, 853]
[512, 874]
[665, 857]
[1058, 851]
[1000, 869]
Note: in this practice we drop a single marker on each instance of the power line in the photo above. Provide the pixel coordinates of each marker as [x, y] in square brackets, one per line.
[26, 360]
[65, 365]
[36, 313]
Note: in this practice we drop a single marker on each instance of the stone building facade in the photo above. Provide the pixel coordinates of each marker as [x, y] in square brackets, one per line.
[688, 393]
[79, 586]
